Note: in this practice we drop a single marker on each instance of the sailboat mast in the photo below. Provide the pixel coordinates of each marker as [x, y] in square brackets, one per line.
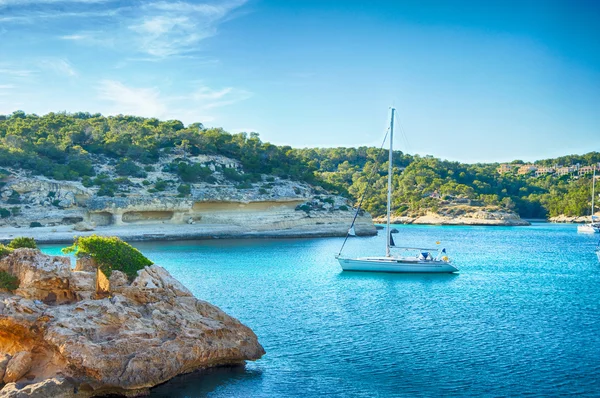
[593, 191]
[389, 196]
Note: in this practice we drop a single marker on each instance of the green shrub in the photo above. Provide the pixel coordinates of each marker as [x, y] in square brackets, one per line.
[127, 167]
[305, 208]
[146, 183]
[4, 251]
[262, 191]
[184, 189]
[22, 241]
[105, 191]
[4, 213]
[343, 208]
[87, 182]
[110, 253]
[35, 224]
[14, 198]
[8, 282]
[161, 185]
[15, 211]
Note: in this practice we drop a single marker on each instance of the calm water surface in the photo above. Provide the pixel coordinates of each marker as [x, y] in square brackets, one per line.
[521, 317]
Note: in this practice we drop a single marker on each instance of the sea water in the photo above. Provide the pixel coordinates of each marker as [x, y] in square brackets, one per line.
[521, 317]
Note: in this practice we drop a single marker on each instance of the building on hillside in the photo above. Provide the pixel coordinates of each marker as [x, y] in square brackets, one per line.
[561, 171]
[505, 168]
[586, 169]
[527, 169]
[544, 170]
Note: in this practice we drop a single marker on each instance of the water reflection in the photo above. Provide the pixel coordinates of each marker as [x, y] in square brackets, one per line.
[204, 382]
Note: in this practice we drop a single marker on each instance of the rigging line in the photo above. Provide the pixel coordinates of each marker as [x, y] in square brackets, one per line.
[373, 171]
[404, 136]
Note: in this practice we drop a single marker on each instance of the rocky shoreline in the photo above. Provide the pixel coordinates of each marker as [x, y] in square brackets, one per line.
[573, 219]
[475, 218]
[168, 232]
[76, 333]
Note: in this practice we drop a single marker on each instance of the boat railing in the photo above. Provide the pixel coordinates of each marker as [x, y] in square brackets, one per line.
[417, 248]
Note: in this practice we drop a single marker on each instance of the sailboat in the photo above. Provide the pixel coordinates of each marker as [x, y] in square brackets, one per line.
[594, 226]
[423, 261]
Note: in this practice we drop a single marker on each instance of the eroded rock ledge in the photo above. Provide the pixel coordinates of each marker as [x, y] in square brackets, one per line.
[476, 217]
[75, 333]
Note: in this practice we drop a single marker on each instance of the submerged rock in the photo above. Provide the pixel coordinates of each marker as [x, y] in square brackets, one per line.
[128, 340]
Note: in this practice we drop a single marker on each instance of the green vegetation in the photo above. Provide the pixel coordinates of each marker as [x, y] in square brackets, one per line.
[22, 241]
[8, 282]
[4, 251]
[64, 146]
[110, 253]
[34, 224]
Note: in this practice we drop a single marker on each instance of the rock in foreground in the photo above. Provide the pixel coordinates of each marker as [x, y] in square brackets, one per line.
[76, 334]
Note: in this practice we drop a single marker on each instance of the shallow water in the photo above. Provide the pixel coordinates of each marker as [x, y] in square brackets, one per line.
[521, 317]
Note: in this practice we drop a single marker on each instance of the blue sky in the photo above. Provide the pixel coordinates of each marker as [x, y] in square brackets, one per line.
[471, 80]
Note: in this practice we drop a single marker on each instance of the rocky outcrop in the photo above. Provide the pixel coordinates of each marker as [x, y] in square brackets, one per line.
[473, 216]
[269, 207]
[573, 219]
[136, 336]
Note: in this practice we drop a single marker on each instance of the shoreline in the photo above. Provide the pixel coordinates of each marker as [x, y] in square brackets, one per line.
[454, 221]
[168, 232]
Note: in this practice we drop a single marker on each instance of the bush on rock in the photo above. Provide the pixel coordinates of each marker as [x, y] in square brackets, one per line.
[8, 282]
[22, 241]
[4, 251]
[110, 253]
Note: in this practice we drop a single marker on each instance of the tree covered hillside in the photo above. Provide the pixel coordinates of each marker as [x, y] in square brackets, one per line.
[69, 147]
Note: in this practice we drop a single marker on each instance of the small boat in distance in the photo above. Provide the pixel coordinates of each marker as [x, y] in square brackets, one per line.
[421, 262]
[594, 226]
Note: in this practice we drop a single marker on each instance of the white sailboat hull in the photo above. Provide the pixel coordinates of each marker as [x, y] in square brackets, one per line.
[589, 228]
[397, 265]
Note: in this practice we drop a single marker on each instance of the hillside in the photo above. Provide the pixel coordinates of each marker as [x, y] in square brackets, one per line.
[126, 156]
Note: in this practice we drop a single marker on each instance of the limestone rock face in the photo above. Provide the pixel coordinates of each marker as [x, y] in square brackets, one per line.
[41, 277]
[84, 226]
[140, 335]
[17, 367]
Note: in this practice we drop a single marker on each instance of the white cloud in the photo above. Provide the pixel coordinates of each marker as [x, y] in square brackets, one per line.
[5, 89]
[129, 100]
[149, 102]
[15, 73]
[73, 37]
[160, 29]
[5, 3]
[60, 66]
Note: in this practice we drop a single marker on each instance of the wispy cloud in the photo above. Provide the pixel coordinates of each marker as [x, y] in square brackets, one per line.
[59, 66]
[160, 29]
[5, 3]
[149, 102]
[131, 100]
[5, 89]
[15, 73]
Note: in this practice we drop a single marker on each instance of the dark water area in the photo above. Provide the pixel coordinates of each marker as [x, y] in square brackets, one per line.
[521, 318]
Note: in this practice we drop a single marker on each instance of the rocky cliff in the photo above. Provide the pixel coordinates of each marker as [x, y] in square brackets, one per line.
[574, 219]
[462, 215]
[272, 206]
[74, 333]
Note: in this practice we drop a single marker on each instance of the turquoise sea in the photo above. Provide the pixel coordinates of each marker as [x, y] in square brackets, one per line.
[521, 318]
